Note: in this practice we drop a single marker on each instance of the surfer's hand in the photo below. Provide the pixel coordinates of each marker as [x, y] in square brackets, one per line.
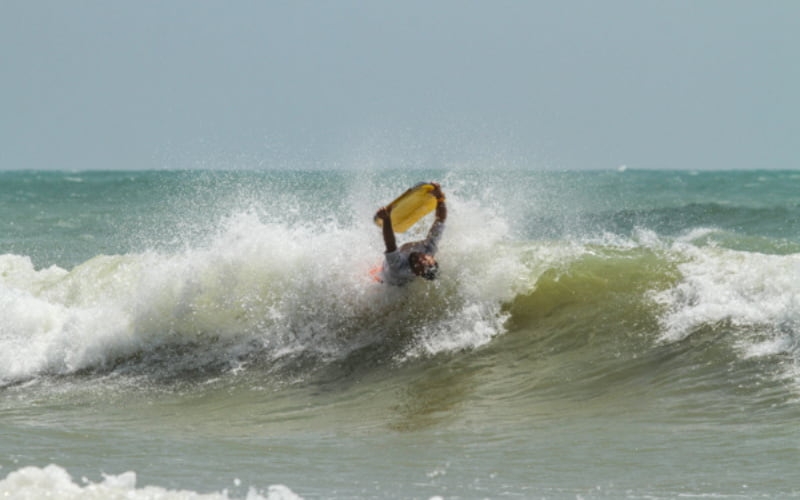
[383, 213]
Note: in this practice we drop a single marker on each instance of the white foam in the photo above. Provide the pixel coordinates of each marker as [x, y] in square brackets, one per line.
[743, 288]
[756, 295]
[285, 287]
[480, 271]
[53, 481]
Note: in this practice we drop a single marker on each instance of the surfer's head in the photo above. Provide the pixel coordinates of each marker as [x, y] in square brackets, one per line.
[423, 265]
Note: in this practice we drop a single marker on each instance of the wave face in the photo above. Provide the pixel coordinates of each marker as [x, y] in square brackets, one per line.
[273, 271]
[646, 298]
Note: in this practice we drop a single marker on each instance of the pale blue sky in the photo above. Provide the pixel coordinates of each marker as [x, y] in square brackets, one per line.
[97, 84]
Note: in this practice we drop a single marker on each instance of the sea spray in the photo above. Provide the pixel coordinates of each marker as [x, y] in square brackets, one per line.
[259, 288]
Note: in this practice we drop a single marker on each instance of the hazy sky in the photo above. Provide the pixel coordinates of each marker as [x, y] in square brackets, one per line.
[111, 84]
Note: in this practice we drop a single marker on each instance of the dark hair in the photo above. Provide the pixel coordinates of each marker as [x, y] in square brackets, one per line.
[428, 272]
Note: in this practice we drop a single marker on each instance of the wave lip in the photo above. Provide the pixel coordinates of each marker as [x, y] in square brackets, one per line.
[726, 286]
[749, 302]
[257, 290]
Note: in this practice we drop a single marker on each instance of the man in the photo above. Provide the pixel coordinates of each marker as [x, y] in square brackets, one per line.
[415, 258]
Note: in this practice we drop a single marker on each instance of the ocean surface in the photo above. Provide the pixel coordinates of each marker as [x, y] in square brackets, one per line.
[201, 334]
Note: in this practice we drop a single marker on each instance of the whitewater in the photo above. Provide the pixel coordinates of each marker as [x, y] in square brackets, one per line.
[200, 334]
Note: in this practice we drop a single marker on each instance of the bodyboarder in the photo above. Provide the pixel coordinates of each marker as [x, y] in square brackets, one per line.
[416, 258]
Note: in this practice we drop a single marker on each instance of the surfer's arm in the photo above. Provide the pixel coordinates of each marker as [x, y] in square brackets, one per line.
[431, 242]
[441, 208]
[388, 231]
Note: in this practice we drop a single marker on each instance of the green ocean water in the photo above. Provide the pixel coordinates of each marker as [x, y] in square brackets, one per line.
[620, 334]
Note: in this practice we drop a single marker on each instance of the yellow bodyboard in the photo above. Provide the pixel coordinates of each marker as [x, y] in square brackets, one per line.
[411, 206]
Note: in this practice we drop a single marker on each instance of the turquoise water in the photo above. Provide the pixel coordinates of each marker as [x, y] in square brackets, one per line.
[626, 334]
